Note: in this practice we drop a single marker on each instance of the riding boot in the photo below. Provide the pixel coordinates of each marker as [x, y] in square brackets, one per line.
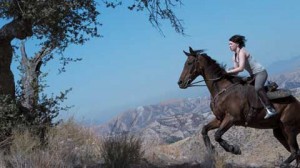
[266, 102]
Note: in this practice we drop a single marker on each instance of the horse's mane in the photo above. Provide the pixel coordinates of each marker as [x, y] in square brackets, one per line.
[214, 67]
[218, 69]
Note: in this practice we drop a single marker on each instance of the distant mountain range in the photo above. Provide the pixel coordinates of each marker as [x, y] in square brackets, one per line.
[166, 122]
[289, 80]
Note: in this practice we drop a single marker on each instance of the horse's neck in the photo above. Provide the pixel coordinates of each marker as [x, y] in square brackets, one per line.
[216, 86]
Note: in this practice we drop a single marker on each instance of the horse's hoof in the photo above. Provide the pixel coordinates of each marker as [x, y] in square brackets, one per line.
[236, 150]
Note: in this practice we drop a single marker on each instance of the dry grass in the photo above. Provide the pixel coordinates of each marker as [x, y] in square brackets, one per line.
[69, 145]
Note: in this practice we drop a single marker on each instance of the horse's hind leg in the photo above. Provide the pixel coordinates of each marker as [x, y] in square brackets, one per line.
[227, 123]
[277, 132]
[291, 136]
[210, 126]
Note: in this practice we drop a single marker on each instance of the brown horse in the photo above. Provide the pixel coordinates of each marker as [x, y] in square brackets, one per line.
[233, 102]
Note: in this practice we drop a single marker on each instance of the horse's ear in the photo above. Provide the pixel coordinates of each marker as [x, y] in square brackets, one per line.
[186, 53]
[192, 51]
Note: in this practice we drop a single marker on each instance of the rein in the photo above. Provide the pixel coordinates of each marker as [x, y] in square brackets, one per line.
[193, 83]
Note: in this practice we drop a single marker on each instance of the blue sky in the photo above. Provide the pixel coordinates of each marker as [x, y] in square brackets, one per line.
[133, 64]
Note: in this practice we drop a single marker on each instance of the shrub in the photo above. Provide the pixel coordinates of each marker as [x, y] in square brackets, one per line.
[9, 116]
[121, 150]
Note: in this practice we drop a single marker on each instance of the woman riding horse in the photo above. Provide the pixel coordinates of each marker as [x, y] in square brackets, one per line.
[232, 102]
[243, 60]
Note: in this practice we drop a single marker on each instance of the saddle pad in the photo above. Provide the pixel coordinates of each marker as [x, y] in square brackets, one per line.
[279, 93]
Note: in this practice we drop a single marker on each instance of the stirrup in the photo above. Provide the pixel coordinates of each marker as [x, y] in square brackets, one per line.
[270, 112]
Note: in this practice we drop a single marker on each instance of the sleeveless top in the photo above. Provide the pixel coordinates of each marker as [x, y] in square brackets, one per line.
[251, 65]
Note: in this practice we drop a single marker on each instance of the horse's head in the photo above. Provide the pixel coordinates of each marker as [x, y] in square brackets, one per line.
[192, 68]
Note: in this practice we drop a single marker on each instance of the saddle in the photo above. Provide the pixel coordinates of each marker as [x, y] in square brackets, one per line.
[271, 88]
[272, 91]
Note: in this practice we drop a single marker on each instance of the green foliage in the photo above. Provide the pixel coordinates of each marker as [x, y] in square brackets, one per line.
[9, 116]
[57, 23]
[121, 150]
[49, 107]
[37, 121]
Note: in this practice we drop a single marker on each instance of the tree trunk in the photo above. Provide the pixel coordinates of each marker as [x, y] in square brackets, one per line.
[29, 81]
[7, 84]
[30, 76]
[19, 29]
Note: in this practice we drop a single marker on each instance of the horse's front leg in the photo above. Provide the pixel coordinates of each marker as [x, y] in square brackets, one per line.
[215, 123]
[227, 123]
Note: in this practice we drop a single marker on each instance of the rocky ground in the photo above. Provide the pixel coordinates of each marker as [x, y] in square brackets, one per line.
[259, 149]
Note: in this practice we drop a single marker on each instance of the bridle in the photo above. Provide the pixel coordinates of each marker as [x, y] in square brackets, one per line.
[193, 84]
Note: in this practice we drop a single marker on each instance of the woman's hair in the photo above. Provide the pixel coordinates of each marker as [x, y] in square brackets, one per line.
[239, 39]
